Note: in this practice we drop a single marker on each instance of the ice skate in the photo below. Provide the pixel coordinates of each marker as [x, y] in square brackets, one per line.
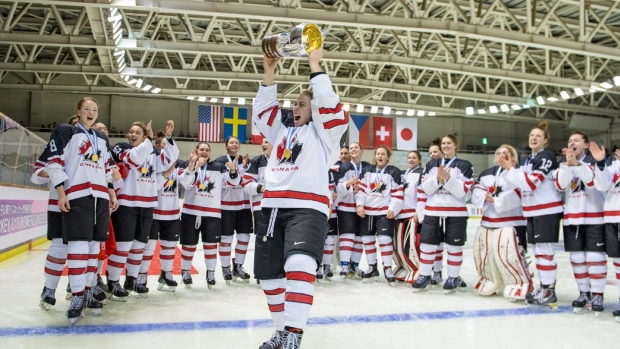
[92, 304]
[344, 271]
[102, 284]
[69, 294]
[76, 309]
[389, 275]
[583, 303]
[166, 282]
[186, 277]
[371, 273]
[597, 304]
[117, 293]
[98, 294]
[240, 275]
[293, 340]
[421, 284]
[227, 273]
[319, 274]
[275, 342]
[529, 298]
[327, 272]
[546, 298]
[453, 284]
[210, 278]
[135, 288]
[48, 298]
[616, 315]
[436, 279]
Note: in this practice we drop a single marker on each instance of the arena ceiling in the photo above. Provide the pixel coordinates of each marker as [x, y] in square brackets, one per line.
[439, 56]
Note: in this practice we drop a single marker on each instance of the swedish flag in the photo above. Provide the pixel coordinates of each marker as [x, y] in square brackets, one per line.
[235, 122]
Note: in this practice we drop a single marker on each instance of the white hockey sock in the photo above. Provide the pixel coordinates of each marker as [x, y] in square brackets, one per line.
[387, 250]
[224, 250]
[328, 250]
[166, 254]
[93, 259]
[118, 259]
[275, 291]
[438, 258]
[580, 270]
[77, 259]
[427, 258]
[358, 249]
[617, 266]
[147, 256]
[597, 268]
[210, 253]
[545, 263]
[241, 248]
[135, 258]
[187, 255]
[346, 247]
[300, 277]
[370, 248]
[455, 260]
[55, 263]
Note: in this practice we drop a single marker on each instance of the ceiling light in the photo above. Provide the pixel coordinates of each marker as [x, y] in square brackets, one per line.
[116, 26]
[139, 83]
[346, 107]
[202, 99]
[118, 40]
[114, 11]
[127, 77]
[516, 107]
[606, 85]
[241, 101]
[493, 109]
[117, 34]
[190, 98]
[387, 110]
[552, 99]
[410, 112]
[526, 106]
[156, 90]
[431, 113]
[132, 81]
[226, 100]
[399, 112]
[469, 111]
[482, 111]
[504, 107]
[359, 108]
[115, 18]
[578, 91]
[118, 52]
[616, 80]
[147, 88]
[122, 67]
[420, 112]
[540, 100]
[374, 109]
[564, 95]
[213, 100]
[286, 104]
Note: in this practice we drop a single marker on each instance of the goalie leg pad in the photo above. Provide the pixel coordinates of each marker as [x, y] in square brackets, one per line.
[510, 264]
[489, 281]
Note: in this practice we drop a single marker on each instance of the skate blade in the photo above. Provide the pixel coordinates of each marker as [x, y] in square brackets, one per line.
[420, 290]
[166, 288]
[239, 280]
[597, 313]
[45, 306]
[391, 284]
[68, 296]
[118, 299]
[134, 294]
[551, 306]
[228, 282]
[447, 292]
[583, 310]
[94, 311]
[369, 280]
[75, 320]
[617, 319]
[188, 285]
[328, 279]
[210, 286]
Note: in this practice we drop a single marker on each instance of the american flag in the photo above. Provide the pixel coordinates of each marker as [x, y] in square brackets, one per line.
[209, 120]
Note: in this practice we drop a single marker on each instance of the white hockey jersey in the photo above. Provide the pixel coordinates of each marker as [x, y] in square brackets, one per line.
[168, 196]
[253, 177]
[583, 204]
[142, 163]
[204, 187]
[380, 191]
[447, 199]
[506, 209]
[346, 196]
[234, 198]
[607, 180]
[535, 181]
[39, 165]
[410, 179]
[296, 172]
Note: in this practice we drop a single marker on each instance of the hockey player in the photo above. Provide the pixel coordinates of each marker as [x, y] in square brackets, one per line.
[204, 182]
[296, 197]
[379, 200]
[236, 217]
[78, 166]
[349, 229]
[137, 199]
[542, 206]
[446, 183]
[607, 179]
[407, 247]
[325, 270]
[499, 262]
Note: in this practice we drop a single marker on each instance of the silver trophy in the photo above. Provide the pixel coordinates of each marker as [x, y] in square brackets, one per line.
[302, 40]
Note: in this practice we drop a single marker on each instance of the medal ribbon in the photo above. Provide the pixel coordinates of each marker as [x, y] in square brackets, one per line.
[92, 138]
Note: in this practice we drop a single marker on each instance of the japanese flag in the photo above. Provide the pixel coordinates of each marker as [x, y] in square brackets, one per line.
[406, 134]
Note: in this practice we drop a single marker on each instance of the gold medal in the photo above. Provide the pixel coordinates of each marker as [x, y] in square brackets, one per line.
[144, 170]
[170, 182]
[201, 186]
[378, 185]
[287, 153]
[95, 157]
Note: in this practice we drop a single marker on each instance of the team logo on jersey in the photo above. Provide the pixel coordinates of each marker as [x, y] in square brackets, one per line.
[84, 149]
[146, 170]
[377, 187]
[495, 190]
[616, 179]
[287, 152]
[576, 185]
[205, 185]
[170, 185]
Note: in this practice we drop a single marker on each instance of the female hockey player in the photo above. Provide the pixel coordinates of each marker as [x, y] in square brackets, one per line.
[296, 197]
[497, 254]
[379, 200]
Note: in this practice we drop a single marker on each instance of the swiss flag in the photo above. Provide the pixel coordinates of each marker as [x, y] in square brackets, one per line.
[406, 134]
[382, 130]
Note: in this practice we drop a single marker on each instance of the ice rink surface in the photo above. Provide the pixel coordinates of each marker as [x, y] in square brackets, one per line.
[346, 314]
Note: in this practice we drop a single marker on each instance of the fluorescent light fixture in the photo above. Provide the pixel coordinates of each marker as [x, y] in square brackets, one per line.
[606, 85]
[552, 99]
[113, 11]
[420, 112]
[118, 40]
[482, 111]
[156, 90]
[431, 113]
[493, 109]
[116, 26]
[190, 98]
[359, 108]
[504, 108]
[286, 104]
[127, 77]
[139, 83]
[399, 112]
[516, 107]
[117, 34]
[410, 112]
[346, 107]
[241, 101]
[374, 109]
[202, 99]
[120, 59]
[469, 111]
[617, 80]
[122, 67]
[226, 100]
[132, 81]
[526, 106]
[115, 18]
[213, 100]
[579, 92]
[564, 95]
[540, 100]
[387, 110]
[118, 52]
[147, 88]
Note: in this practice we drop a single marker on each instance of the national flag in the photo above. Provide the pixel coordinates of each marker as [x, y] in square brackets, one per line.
[383, 129]
[257, 137]
[209, 120]
[359, 128]
[406, 134]
[235, 122]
